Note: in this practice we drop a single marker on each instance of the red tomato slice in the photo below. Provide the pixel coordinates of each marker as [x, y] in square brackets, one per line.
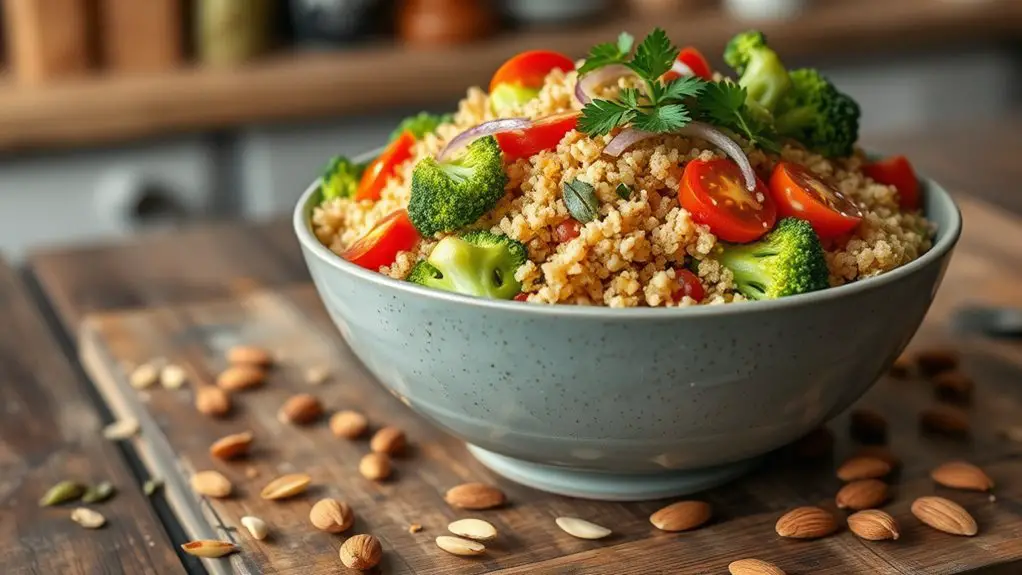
[380, 246]
[568, 230]
[800, 194]
[543, 134]
[530, 68]
[714, 193]
[382, 168]
[694, 60]
[690, 285]
[897, 171]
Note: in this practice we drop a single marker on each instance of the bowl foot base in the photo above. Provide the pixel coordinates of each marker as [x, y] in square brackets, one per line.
[610, 486]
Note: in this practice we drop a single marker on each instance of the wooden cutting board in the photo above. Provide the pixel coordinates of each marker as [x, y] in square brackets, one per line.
[290, 321]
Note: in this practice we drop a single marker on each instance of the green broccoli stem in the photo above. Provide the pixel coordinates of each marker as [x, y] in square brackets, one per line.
[795, 119]
[746, 263]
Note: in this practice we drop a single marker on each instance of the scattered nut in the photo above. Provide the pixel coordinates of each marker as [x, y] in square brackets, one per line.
[240, 377]
[953, 386]
[459, 546]
[863, 468]
[143, 376]
[251, 472]
[944, 515]
[945, 420]
[300, 409]
[257, 527]
[99, 492]
[868, 426]
[681, 516]
[121, 429]
[88, 518]
[212, 401]
[211, 484]
[414, 528]
[862, 494]
[286, 486]
[753, 567]
[880, 452]
[361, 552]
[348, 423]
[933, 361]
[375, 466]
[173, 376]
[316, 375]
[814, 445]
[151, 486]
[902, 367]
[331, 515]
[581, 528]
[475, 496]
[873, 525]
[231, 446]
[475, 529]
[389, 440]
[806, 523]
[209, 548]
[62, 493]
[962, 475]
[249, 355]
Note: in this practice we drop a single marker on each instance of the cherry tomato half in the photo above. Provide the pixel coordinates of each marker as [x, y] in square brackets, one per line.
[714, 193]
[568, 230]
[897, 171]
[530, 68]
[689, 285]
[800, 194]
[694, 60]
[543, 134]
[380, 246]
[382, 168]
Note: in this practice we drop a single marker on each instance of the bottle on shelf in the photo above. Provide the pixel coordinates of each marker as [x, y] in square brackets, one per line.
[445, 22]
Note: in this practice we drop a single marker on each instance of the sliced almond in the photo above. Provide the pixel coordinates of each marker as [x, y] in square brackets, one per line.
[868, 426]
[944, 515]
[873, 525]
[300, 409]
[212, 401]
[945, 420]
[256, 527]
[475, 529]
[361, 552]
[389, 440]
[862, 494]
[211, 484]
[88, 518]
[459, 546]
[581, 528]
[962, 475]
[953, 386]
[121, 429]
[806, 523]
[754, 567]
[475, 496]
[681, 516]
[286, 486]
[231, 446]
[240, 377]
[935, 360]
[249, 355]
[209, 548]
[348, 424]
[863, 468]
[173, 376]
[143, 376]
[375, 466]
[331, 515]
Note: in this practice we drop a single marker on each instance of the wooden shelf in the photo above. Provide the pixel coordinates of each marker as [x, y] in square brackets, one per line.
[105, 109]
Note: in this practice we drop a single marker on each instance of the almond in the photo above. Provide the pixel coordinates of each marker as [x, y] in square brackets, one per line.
[806, 523]
[389, 440]
[209, 548]
[88, 518]
[349, 424]
[331, 515]
[211, 484]
[317, 375]
[581, 528]
[868, 426]
[231, 446]
[375, 466]
[753, 567]
[873, 525]
[862, 494]
[814, 445]
[121, 429]
[902, 367]
[300, 409]
[962, 475]
[144, 376]
[936, 360]
[361, 552]
[257, 527]
[414, 528]
[286, 486]
[239, 377]
[863, 468]
[944, 515]
[945, 420]
[173, 376]
[212, 401]
[249, 355]
[880, 452]
[459, 546]
[953, 386]
[475, 529]
[681, 516]
[475, 496]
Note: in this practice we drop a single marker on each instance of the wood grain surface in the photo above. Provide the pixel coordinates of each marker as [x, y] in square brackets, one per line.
[49, 432]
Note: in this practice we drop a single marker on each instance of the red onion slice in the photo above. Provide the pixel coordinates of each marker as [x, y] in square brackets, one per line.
[681, 69]
[490, 128]
[586, 85]
[630, 136]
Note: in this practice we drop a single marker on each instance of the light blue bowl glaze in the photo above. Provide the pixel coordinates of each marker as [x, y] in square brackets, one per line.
[628, 403]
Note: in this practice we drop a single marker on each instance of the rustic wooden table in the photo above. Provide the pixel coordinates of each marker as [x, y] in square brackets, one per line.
[188, 296]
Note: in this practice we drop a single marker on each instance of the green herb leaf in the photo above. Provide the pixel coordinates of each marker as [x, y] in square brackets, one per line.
[62, 493]
[724, 104]
[623, 191]
[606, 54]
[654, 56]
[599, 117]
[666, 118]
[687, 87]
[580, 199]
[100, 492]
[625, 42]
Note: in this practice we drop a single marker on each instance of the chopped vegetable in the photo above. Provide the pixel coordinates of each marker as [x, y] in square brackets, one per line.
[478, 263]
[543, 134]
[580, 199]
[505, 97]
[726, 105]
[713, 192]
[488, 128]
[449, 195]
[518, 80]
[375, 177]
[689, 285]
[623, 191]
[420, 124]
[817, 114]
[798, 193]
[340, 178]
[897, 171]
[761, 71]
[568, 230]
[788, 261]
[380, 246]
[690, 62]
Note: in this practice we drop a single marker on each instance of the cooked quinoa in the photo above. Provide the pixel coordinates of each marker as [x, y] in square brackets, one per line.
[626, 257]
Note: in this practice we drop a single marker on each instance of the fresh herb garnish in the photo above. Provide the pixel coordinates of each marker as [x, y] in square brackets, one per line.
[580, 199]
[610, 53]
[623, 191]
[724, 104]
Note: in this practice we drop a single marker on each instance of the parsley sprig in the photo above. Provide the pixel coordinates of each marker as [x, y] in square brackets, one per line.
[724, 104]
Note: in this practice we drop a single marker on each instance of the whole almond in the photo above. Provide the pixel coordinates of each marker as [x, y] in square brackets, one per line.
[881, 452]
[814, 445]
[249, 355]
[806, 523]
[962, 475]
[331, 515]
[375, 466]
[902, 367]
[88, 518]
[349, 424]
[954, 386]
[935, 360]
[945, 420]
[212, 401]
[581, 528]
[753, 567]
[144, 376]
[300, 409]
[240, 377]
[459, 546]
[873, 525]
[862, 494]
[863, 468]
[475, 496]
[211, 484]
[475, 529]
[173, 376]
[257, 527]
[209, 548]
[944, 515]
[868, 426]
[286, 486]
[389, 440]
[361, 552]
[681, 516]
[231, 446]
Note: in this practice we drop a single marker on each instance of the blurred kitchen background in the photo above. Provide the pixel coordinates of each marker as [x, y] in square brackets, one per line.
[118, 116]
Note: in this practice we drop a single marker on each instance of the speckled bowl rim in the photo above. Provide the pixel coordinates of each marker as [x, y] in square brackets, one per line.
[946, 240]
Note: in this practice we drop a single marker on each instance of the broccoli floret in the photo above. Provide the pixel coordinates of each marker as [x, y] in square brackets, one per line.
[787, 261]
[340, 178]
[420, 124]
[817, 114]
[760, 69]
[478, 263]
[450, 195]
